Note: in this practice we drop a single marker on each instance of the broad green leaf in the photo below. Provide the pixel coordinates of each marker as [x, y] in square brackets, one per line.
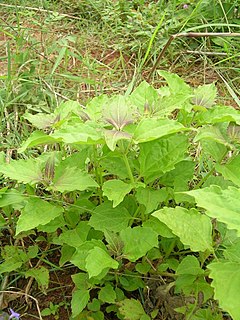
[231, 170]
[71, 179]
[94, 108]
[113, 136]
[80, 133]
[218, 181]
[173, 98]
[205, 95]
[68, 107]
[26, 171]
[81, 253]
[188, 271]
[66, 254]
[188, 284]
[78, 159]
[98, 260]
[175, 83]
[218, 114]
[193, 228]
[211, 133]
[214, 149]
[80, 298]
[151, 129]
[41, 120]
[226, 283]
[114, 164]
[36, 212]
[151, 198]
[223, 205]
[11, 197]
[76, 236]
[10, 265]
[160, 156]
[107, 294]
[131, 281]
[232, 253]
[41, 275]
[115, 190]
[94, 305]
[159, 227]
[143, 267]
[189, 265]
[132, 309]
[144, 96]
[12, 258]
[81, 280]
[118, 112]
[35, 139]
[105, 217]
[53, 225]
[138, 241]
[179, 176]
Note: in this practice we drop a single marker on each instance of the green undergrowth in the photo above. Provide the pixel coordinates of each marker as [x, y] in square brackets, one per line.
[131, 187]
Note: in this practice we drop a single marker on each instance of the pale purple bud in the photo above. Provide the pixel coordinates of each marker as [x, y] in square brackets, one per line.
[14, 315]
[185, 6]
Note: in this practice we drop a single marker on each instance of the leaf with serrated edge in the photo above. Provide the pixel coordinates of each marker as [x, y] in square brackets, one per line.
[175, 83]
[205, 95]
[116, 190]
[193, 228]
[40, 120]
[80, 299]
[71, 178]
[160, 156]
[152, 129]
[138, 241]
[113, 136]
[35, 139]
[151, 198]
[218, 114]
[231, 170]
[36, 212]
[98, 260]
[26, 171]
[144, 94]
[107, 294]
[105, 217]
[226, 284]
[75, 237]
[81, 133]
[189, 265]
[131, 309]
[12, 197]
[41, 275]
[223, 205]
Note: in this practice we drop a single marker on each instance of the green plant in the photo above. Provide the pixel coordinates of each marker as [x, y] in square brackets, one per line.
[130, 187]
[53, 309]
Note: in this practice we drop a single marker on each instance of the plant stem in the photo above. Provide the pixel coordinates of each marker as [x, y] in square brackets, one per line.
[134, 216]
[125, 159]
[201, 182]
